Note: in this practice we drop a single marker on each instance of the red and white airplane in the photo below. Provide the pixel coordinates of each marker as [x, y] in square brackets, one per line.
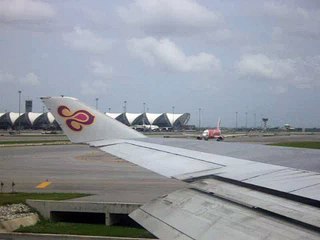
[213, 133]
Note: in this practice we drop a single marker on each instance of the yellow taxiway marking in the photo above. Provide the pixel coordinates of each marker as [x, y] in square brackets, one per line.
[43, 185]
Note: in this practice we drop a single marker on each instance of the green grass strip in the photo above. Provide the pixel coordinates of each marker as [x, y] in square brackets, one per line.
[86, 229]
[312, 145]
[11, 198]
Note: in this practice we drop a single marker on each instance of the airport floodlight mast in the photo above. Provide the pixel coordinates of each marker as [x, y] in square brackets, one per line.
[172, 117]
[246, 120]
[109, 109]
[19, 110]
[125, 106]
[199, 118]
[265, 120]
[236, 120]
[97, 99]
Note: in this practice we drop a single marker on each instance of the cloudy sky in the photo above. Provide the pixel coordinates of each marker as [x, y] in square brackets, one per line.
[224, 57]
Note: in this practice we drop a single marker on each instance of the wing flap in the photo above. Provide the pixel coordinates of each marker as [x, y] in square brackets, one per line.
[296, 211]
[206, 217]
[157, 227]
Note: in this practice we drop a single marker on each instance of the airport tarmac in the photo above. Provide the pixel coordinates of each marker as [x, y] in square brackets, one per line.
[79, 168]
[273, 138]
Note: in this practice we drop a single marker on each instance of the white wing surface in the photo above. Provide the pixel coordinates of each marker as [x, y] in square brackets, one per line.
[229, 198]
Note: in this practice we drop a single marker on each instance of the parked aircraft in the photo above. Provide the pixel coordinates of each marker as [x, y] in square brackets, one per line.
[227, 198]
[146, 127]
[213, 133]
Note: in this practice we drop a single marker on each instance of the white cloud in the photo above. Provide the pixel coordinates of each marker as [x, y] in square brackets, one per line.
[93, 88]
[293, 19]
[101, 70]
[297, 72]
[30, 79]
[278, 89]
[167, 54]
[167, 16]
[25, 10]
[221, 35]
[278, 9]
[262, 66]
[85, 40]
[6, 77]
[101, 85]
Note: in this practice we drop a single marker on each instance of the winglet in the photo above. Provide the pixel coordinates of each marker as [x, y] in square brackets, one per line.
[82, 123]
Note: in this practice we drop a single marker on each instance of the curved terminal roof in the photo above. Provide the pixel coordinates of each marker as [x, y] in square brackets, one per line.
[173, 117]
[131, 117]
[42, 120]
[113, 115]
[26, 120]
[152, 117]
[50, 117]
[13, 117]
[33, 116]
[159, 119]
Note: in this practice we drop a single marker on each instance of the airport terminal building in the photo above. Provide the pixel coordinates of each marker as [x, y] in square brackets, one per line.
[46, 121]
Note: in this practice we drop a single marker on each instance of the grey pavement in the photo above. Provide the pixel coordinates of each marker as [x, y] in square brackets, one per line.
[79, 168]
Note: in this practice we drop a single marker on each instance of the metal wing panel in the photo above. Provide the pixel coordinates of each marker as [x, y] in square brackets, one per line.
[312, 192]
[163, 163]
[248, 171]
[288, 180]
[197, 155]
[185, 164]
[206, 217]
[259, 200]
[157, 227]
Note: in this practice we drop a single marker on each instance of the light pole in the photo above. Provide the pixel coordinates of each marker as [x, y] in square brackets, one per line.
[246, 120]
[19, 110]
[172, 117]
[199, 118]
[236, 120]
[125, 106]
[255, 120]
[144, 116]
[109, 109]
[97, 99]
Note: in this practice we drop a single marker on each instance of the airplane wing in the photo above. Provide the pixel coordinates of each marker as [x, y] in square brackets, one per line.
[228, 198]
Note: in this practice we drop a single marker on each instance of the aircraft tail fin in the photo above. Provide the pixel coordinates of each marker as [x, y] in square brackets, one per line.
[218, 123]
[82, 123]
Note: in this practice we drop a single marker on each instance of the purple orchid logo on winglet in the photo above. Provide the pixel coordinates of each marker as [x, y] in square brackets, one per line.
[75, 121]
